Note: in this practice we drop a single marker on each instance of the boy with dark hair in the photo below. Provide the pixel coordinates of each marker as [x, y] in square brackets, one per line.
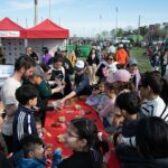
[24, 122]
[33, 153]
[126, 116]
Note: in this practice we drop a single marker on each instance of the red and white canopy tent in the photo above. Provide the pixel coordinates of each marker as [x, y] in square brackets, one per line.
[11, 40]
[46, 34]
[15, 38]
[47, 30]
[10, 29]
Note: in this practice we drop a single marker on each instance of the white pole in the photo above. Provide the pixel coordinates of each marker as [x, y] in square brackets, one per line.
[116, 21]
[35, 12]
[49, 10]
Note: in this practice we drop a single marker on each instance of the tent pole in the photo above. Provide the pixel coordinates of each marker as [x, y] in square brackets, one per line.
[35, 12]
[49, 10]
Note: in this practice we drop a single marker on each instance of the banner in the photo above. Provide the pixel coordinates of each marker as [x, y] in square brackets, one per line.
[9, 33]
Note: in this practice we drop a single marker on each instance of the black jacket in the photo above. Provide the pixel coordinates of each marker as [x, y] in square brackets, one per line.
[82, 85]
[83, 160]
[91, 61]
[4, 163]
[24, 124]
[136, 162]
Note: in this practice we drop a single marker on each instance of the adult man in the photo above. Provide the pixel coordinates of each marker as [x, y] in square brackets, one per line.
[24, 68]
[82, 86]
[32, 54]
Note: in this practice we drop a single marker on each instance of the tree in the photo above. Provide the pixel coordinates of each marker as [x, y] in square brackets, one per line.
[144, 30]
[112, 33]
[119, 32]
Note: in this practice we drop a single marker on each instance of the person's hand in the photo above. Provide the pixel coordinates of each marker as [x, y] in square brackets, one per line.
[62, 101]
[61, 87]
[1, 107]
[120, 139]
[58, 89]
[57, 105]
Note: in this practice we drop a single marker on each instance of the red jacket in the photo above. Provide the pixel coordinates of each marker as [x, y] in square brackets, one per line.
[122, 56]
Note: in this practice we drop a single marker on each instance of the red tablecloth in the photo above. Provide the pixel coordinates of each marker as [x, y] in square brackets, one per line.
[70, 112]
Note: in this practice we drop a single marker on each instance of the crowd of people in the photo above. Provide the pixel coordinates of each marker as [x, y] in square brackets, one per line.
[131, 105]
[158, 56]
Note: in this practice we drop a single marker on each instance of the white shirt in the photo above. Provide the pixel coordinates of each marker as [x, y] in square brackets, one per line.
[8, 91]
[112, 67]
[154, 108]
[8, 97]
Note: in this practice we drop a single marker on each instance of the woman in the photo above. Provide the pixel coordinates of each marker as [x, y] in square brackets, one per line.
[46, 58]
[82, 138]
[92, 62]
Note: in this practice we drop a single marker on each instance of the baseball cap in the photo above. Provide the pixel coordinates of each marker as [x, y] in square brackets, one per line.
[10, 100]
[120, 75]
[132, 61]
[80, 64]
[120, 45]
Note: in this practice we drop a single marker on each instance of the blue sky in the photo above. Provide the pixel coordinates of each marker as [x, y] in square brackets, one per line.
[87, 17]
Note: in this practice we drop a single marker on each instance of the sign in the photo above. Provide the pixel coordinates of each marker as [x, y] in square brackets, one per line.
[9, 33]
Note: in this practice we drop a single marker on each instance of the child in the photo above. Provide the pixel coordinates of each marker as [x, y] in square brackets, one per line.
[58, 74]
[45, 92]
[33, 153]
[126, 115]
[92, 100]
[39, 127]
[24, 122]
[126, 112]
[102, 97]
[107, 110]
[82, 137]
[44, 89]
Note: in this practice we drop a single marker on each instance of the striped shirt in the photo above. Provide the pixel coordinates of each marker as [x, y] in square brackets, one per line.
[24, 124]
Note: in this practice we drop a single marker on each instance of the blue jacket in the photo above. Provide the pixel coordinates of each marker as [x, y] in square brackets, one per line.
[82, 85]
[24, 124]
[30, 163]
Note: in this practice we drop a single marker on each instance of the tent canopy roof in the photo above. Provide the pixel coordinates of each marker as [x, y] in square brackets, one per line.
[7, 24]
[47, 29]
[44, 30]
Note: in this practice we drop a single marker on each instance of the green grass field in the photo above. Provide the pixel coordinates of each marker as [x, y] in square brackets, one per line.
[143, 61]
